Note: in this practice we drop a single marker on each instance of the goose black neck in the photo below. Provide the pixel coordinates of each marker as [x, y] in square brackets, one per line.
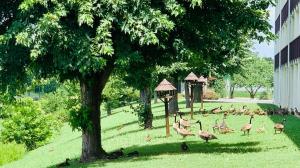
[200, 125]
[175, 118]
[250, 120]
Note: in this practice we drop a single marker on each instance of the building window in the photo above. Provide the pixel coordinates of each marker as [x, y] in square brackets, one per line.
[284, 55]
[293, 5]
[284, 13]
[276, 61]
[277, 25]
[295, 49]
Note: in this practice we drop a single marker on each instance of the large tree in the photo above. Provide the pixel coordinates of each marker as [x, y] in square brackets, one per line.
[78, 40]
[255, 73]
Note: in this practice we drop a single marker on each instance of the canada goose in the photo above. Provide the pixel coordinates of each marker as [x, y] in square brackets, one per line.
[225, 114]
[116, 154]
[217, 110]
[216, 126]
[292, 111]
[133, 154]
[257, 111]
[279, 111]
[183, 122]
[247, 127]
[279, 126]
[148, 138]
[261, 130]
[184, 146]
[183, 132]
[226, 130]
[232, 109]
[262, 112]
[285, 111]
[175, 124]
[205, 135]
[243, 110]
[270, 111]
[64, 164]
[205, 115]
[296, 111]
[223, 124]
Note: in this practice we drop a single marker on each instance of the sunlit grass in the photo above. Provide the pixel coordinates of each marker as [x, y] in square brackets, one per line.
[10, 152]
[232, 150]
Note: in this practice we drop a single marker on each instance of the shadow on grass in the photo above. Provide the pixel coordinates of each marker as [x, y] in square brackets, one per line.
[120, 126]
[148, 152]
[130, 132]
[292, 129]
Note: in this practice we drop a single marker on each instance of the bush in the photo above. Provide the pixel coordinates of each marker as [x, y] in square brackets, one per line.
[116, 94]
[265, 96]
[54, 103]
[27, 124]
[11, 152]
[210, 95]
[219, 87]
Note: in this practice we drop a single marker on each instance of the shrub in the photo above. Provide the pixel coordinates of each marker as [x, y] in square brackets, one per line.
[27, 124]
[10, 152]
[116, 94]
[219, 87]
[210, 95]
[265, 95]
[54, 103]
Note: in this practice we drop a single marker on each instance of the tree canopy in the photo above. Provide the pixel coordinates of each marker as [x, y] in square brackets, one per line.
[256, 73]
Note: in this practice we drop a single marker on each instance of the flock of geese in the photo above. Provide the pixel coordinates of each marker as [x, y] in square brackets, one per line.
[181, 126]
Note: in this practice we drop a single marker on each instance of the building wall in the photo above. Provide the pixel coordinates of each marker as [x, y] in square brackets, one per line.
[287, 54]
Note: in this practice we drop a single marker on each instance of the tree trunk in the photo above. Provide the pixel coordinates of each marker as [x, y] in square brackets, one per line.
[231, 96]
[252, 95]
[91, 136]
[91, 88]
[145, 96]
[155, 98]
[108, 109]
[173, 104]
[187, 96]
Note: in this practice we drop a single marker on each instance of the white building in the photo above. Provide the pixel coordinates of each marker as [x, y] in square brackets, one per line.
[287, 54]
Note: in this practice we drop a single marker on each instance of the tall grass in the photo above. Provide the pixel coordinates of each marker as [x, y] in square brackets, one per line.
[10, 152]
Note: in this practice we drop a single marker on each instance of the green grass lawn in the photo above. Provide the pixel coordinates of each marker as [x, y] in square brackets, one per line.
[232, 150]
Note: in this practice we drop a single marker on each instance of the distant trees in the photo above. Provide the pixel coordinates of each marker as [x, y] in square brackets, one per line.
[256, 72]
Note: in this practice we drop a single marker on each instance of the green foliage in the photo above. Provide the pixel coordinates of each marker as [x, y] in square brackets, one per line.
[256, 73]
[55, 103]
[219, 87]
[79, 118]
[27, 124]
[10, 152]
[142, 111]
[116, 93]
[265, 95]
[62, 102]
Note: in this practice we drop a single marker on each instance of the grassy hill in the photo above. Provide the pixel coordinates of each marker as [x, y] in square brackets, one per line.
[232, 150]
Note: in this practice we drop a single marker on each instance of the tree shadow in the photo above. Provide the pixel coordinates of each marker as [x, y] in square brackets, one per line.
[292, 129]
[147, 152]
[130, 132]
[120, 126]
